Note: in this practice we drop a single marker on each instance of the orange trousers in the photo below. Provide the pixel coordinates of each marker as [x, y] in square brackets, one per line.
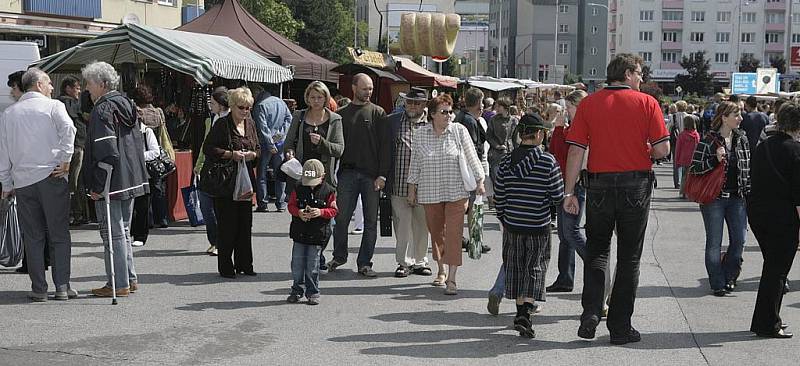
[446, 224]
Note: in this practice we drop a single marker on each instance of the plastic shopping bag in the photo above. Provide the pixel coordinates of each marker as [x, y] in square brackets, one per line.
[243, 190]
[10, 235]
[476, 229]
[191, 201]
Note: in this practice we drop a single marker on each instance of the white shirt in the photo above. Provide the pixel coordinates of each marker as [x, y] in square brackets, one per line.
[36, 135]
[151, 148]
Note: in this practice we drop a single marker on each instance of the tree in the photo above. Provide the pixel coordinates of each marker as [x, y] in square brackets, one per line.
[571, 78]
[652, 89]
[646, 72]
[328, 27]
[272, 13]
[697, 78]
[778, 62]
[748, 63]
[451, 67]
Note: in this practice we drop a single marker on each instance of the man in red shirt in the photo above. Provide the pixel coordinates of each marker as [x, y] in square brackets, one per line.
[623, 129]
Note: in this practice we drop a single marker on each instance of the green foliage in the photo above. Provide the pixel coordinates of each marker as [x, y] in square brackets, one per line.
[697, 78]
[749, 64]
[652, 89]
[272, 13]
[646, 72]
[329, 27]
[451, 67]
[693, 98]
[778, 62]
[571, 78]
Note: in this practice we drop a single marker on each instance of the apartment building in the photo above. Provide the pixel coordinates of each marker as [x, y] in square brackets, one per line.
[528, 37]
[57, 25]
[663, 31]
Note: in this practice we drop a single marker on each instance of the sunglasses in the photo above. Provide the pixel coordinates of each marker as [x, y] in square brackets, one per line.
[446, 111]
[244, 108]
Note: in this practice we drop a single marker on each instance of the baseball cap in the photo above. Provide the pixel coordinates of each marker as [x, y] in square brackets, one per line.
[530, 123]
[313, 171]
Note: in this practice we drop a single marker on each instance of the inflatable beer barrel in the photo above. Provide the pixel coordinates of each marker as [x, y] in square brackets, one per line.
[429, 34]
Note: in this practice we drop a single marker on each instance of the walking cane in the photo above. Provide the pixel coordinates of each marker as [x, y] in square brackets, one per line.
[106, 196]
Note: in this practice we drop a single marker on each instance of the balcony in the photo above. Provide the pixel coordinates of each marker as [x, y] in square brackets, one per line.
[780, 27]
[672, 45]
[671, 66]
[672, 4]
[775, 5]
[775, 47]
[672, 25]
[86, 9]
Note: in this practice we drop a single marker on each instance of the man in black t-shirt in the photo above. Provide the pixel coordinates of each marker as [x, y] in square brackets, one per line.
[753, 122]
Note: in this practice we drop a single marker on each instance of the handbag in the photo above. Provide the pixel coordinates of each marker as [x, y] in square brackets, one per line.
[466, 173]
[191, 201]
[475, 244]
[11, 252]
[218, 177]
[705, 188]
[161, 166]
[385, 206]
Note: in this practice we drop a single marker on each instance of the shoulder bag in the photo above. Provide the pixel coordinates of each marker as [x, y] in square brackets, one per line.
[466, 173]
[218, 178]
[705, 188]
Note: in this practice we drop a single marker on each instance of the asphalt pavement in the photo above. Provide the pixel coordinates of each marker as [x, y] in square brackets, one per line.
[185, 314]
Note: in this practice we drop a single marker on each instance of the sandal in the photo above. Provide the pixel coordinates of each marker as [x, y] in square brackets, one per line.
[401, 271]
[422, 271]
[451, 288]
[440, 280]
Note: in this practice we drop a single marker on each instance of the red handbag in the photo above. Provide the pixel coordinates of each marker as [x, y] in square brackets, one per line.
[705, 188]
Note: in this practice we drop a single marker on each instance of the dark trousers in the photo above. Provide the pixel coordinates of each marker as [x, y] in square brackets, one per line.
[621, 201]
[140, 223]
[778, 242]
[158, 198]
[235, 226]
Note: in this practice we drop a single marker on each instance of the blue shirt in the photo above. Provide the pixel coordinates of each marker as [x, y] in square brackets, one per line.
[272, 118]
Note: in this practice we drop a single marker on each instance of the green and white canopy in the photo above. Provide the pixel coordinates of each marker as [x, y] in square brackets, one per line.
[202, 56]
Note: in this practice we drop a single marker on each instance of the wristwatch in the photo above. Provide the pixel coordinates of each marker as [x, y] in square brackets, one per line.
[568, 195]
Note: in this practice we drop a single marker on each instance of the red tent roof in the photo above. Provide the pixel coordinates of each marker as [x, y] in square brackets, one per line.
[419, 76]
[232, 20]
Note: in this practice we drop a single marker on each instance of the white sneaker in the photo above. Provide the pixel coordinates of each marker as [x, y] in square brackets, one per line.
[210, 249]
[357, 231]
[137, 243]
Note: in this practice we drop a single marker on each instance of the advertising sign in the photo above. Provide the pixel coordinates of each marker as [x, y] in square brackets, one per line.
[743, 83]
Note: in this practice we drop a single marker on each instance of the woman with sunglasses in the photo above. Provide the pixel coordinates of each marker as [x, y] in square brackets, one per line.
[435, 181]
[234, 137]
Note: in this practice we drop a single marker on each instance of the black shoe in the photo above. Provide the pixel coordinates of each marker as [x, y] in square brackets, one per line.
[293, 299]
[557, 288]
[588, 327]
[784, 325]
[523, 326]
[228, 275]
[720, 292]
[401, 271]
[22, 270]
[262, 209]
[779, 334]
[730, 286]
[464, 243]
[249, 272]
[631, 336]
[485, 248]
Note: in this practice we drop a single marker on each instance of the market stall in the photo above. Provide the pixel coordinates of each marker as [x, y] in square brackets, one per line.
[180, 66]
[380, 67]
[418, 76]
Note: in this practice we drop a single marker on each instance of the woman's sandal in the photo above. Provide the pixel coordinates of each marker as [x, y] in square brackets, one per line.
[451, 288]
[440, 280]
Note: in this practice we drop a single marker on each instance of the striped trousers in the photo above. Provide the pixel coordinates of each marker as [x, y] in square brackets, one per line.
[526, 257]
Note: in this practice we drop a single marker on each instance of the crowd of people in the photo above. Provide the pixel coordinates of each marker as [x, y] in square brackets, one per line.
[433, 158]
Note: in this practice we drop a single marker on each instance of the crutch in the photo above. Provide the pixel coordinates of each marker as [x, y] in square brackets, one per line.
[106, 196]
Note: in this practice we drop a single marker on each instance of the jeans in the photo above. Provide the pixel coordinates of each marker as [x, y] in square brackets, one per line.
[351, 184]
[210, 219]
[121, 214]
[571, 241]
[305, 269]
[620, 200]
[732, 211]
[269, 160]
[677, 172]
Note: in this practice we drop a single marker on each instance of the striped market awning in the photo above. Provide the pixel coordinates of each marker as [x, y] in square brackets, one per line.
[202, 56]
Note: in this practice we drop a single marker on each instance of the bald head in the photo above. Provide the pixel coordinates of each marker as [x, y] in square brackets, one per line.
[362, 88]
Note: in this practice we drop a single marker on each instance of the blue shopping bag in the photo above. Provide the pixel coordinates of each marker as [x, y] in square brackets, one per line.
[191, 201]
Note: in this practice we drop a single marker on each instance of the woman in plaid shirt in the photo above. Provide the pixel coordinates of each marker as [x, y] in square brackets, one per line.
[725, 142]
[434, 180]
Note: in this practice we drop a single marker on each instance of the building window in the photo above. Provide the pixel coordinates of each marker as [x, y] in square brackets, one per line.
[646, 15]
[669, 57]
[796, 18]
[646, 36]
[723, 16]
[595, 11]
[563, 8]
[775, 18]
[167, 2]
[594, 29]
[723, 37]
[748, 55]
[795, 38]
[698, 16]
[721, 58]
[563, 48]
[670, 37]
[696, 36]
[748, 18]
[672, 16]
[593, 71]
[646, 56]
[748, 37]
[593, 50]
[563, 28]
[772, 38]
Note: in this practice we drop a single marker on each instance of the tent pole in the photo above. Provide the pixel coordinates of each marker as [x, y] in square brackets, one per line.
[114, 56]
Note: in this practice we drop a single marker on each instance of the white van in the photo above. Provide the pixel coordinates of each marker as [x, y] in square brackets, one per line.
[14, 56]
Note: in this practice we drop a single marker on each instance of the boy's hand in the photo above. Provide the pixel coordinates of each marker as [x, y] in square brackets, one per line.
[314, 213]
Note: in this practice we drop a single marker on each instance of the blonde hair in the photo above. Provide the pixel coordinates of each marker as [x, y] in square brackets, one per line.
[576, 96]
[551, 111]
[240, 96]
[318, 87]
[681, 105]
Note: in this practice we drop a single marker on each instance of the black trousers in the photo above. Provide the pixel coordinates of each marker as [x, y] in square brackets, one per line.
[140, 222]
[235, 227]
[621, 201]
[778, 241]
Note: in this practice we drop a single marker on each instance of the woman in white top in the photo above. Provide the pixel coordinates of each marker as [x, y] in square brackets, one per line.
[436, 182]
